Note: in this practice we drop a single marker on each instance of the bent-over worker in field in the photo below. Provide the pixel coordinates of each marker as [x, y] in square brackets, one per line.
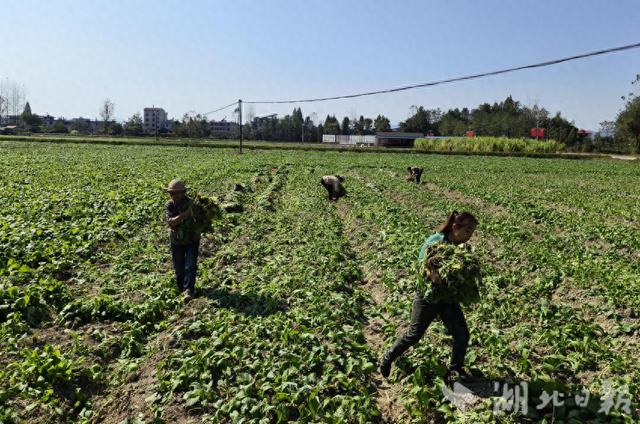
[414, 172]
[333, 184]
[184, 244]
[458, 229]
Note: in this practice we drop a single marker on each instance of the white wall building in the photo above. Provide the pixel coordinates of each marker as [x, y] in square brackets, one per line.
[155, 119]
[259, 120]
[223, 127]
[355, 140]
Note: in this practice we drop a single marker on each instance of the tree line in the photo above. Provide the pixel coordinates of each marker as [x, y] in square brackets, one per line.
[509, 118]
[623, 134]
[505, 119]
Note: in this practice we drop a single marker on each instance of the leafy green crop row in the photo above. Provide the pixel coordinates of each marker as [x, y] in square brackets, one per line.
[291, 288]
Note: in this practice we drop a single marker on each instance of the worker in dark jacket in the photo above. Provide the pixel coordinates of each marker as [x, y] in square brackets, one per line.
[333, 184]
[184, 243]
[458, 229]
[414, 172]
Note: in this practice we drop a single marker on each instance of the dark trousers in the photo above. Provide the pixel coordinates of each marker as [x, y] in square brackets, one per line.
[328, 187]
[185, 264]
[418, 175]
[422, 315]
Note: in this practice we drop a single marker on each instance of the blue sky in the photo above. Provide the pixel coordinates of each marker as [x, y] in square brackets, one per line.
[201, 55]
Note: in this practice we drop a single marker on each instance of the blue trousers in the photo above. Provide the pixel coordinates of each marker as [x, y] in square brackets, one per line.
[185, 264]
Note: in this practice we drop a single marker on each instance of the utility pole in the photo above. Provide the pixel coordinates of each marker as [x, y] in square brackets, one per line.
[240, 113]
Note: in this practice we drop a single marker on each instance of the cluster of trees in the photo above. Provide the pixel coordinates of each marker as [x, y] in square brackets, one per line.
[508, 118]
[29, 120]
[108, 125]
[193, 126]
[297, 127]
[15, 110]
[623, 134]
[13, 99]
[505, 119]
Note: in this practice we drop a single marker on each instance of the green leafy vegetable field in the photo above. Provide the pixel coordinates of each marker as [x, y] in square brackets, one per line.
[297, 297]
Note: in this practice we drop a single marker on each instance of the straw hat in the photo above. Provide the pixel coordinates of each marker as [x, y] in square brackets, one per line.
[175, 186]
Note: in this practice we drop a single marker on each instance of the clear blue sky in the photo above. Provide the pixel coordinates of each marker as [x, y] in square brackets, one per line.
[200, 55]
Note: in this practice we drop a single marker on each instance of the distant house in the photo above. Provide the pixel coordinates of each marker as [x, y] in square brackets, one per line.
[9, 119]
[397, 139]
[223, 127]
[92, 126]
[9, 130]
[351, 140]
[260, 120]
[86, 121]
[95, 126]
[48, 120]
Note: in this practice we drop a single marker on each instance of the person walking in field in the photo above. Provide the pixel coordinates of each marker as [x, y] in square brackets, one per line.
[184, 242]
[334, 186]
[414, 172]
[458, 228]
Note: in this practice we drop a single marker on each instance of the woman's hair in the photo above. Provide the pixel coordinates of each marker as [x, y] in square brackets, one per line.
[458, 218]
[408, 168]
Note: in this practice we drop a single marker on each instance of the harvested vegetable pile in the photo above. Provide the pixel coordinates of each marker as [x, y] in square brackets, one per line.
[459, 273]
[205, 210]
[233, 202]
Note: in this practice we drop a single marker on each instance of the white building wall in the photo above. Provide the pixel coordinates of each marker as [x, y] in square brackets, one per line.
[155, 119]
[363, 140]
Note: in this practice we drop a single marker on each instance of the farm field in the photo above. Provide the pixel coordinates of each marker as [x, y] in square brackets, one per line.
[298, 297]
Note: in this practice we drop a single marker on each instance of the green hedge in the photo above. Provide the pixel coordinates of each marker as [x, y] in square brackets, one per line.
[445, 149]
[489, 145]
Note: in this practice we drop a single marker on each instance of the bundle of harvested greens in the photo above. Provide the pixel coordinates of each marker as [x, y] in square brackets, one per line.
[459, 273]
[204, 211]
[233, 202]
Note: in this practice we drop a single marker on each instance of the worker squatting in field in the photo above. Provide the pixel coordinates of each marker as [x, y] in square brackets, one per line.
[334, 186]
[414, 172]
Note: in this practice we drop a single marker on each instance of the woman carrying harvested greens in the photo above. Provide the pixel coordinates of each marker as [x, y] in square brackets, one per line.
[448, 275]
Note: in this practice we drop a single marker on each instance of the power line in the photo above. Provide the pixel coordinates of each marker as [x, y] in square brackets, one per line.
[218, 110]
[450, 80]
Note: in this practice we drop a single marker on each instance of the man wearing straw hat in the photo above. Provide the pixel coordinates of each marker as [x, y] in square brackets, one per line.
[184, 244]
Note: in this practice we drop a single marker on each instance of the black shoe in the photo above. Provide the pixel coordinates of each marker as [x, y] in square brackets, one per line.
[385, 368]
[463, 376]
